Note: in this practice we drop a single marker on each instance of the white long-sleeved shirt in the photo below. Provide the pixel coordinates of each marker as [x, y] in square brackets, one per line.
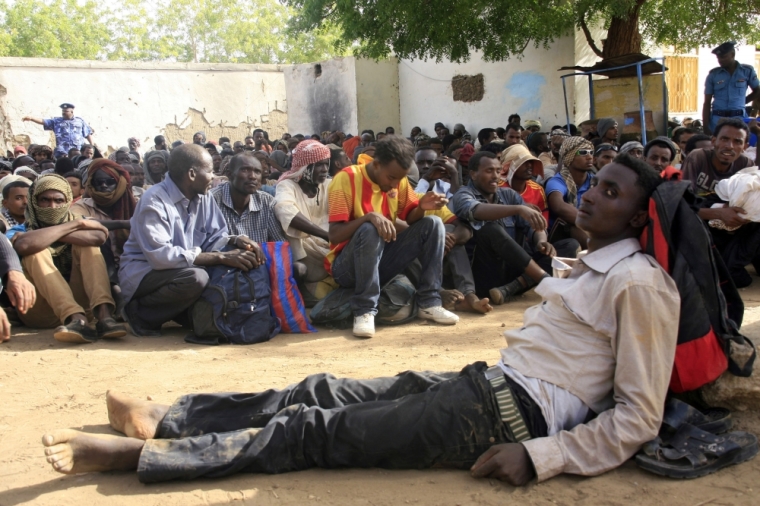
[606, 334]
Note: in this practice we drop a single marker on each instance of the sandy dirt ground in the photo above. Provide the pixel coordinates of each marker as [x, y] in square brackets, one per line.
[46, 385]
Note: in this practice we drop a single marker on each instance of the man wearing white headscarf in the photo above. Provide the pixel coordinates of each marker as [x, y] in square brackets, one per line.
[26, 172]
[550, 159]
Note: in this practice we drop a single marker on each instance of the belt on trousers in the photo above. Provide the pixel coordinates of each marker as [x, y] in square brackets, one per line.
[728, 113]
[505, 401]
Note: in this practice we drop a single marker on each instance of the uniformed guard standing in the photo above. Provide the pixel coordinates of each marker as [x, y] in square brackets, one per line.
[726, 88]
[70, 131]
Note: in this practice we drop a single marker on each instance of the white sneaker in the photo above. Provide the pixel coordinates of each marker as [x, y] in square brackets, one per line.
[438, 315]
[364, 325]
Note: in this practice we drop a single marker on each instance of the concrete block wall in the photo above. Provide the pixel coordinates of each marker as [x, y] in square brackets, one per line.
[135, 99]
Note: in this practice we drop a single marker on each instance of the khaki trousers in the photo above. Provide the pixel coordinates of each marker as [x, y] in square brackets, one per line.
[56, 299]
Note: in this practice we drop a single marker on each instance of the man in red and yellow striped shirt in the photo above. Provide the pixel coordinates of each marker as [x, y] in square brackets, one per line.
[365, 252]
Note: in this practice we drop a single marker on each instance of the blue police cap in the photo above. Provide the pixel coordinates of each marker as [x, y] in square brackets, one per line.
[67, 105]
[724, 48]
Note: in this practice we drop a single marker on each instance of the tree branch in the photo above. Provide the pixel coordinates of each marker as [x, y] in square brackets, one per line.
[589, 38]
[526, 45]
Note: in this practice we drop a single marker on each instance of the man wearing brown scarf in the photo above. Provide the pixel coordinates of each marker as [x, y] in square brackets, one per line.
[54, 244]
[110, 201]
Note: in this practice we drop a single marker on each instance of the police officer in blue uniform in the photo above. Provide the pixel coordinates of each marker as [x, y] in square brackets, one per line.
[70, 131]
[726, 88]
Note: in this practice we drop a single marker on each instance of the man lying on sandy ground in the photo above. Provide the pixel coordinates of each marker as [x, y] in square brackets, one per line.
[579, 389]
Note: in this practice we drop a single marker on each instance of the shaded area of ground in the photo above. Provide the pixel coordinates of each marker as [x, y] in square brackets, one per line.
[47, 385]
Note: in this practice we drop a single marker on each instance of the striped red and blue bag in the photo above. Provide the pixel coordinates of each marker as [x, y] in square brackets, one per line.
[287, 302]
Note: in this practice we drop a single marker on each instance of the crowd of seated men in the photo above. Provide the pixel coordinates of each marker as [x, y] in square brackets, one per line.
[473, 222]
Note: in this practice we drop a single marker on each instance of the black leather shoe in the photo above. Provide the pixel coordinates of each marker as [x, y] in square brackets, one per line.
[136, 325]
[75, 331]
[109, 329]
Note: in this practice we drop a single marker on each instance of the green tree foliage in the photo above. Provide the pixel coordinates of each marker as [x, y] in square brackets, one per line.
[702, 22]
[61, 29]
[215, 31]
[131, 33]
[449, 29]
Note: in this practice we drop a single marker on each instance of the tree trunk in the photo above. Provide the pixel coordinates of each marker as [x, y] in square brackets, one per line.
[623, 37]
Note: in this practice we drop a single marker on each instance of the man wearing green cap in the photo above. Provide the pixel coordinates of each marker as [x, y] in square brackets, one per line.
[726, 88]
[70, 131]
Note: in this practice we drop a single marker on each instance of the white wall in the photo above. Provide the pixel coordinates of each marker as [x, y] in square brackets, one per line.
[530, 87]
[377, 94]
[580, 110]
[130, 99]
[327, 102]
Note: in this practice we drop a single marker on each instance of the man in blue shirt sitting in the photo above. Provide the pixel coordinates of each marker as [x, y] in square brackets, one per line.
[565, 189]
[177, 229]
[433, 169]
[510, 236]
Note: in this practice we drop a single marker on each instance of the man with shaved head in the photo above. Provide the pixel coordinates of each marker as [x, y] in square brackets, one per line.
[177, 229]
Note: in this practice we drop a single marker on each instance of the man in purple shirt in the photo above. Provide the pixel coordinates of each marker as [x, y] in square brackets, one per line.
[177, 230]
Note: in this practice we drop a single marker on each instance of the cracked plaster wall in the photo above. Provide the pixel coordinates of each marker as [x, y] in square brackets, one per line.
[122, 100]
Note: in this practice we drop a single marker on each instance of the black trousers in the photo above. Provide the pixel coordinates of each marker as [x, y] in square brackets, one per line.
[166, 295]
[457, 273]
[739, 249]
[499, 259]
[410, 421]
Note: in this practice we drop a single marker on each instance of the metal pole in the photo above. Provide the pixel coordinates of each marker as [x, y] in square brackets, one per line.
[641, 105]
[591, 96]
[665, 101]
[567, 111]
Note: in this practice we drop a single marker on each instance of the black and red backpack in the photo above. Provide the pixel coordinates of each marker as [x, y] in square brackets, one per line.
[709, 342]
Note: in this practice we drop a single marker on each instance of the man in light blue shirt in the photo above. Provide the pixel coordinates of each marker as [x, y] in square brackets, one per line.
[177, 229]
[70, 131]
[726, 88]
[432, 171]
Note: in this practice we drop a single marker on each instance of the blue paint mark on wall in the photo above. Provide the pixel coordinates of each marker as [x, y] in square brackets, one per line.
[526, 87]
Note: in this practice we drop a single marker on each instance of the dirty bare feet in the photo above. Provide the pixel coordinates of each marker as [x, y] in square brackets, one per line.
[133, 417]
[450, 299]
[71, 452]
[472, 304]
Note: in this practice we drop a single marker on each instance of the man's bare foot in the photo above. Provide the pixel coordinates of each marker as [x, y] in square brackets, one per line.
[472, 304]
[5, 327]
[450, 298]
[133, 417]
[72, 452]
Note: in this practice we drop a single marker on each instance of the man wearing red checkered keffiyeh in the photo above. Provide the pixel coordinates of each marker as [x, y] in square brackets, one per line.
[301, 207]
[305, 155]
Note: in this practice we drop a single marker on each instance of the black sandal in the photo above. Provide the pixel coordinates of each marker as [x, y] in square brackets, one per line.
[713, 420]
[691, 452]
